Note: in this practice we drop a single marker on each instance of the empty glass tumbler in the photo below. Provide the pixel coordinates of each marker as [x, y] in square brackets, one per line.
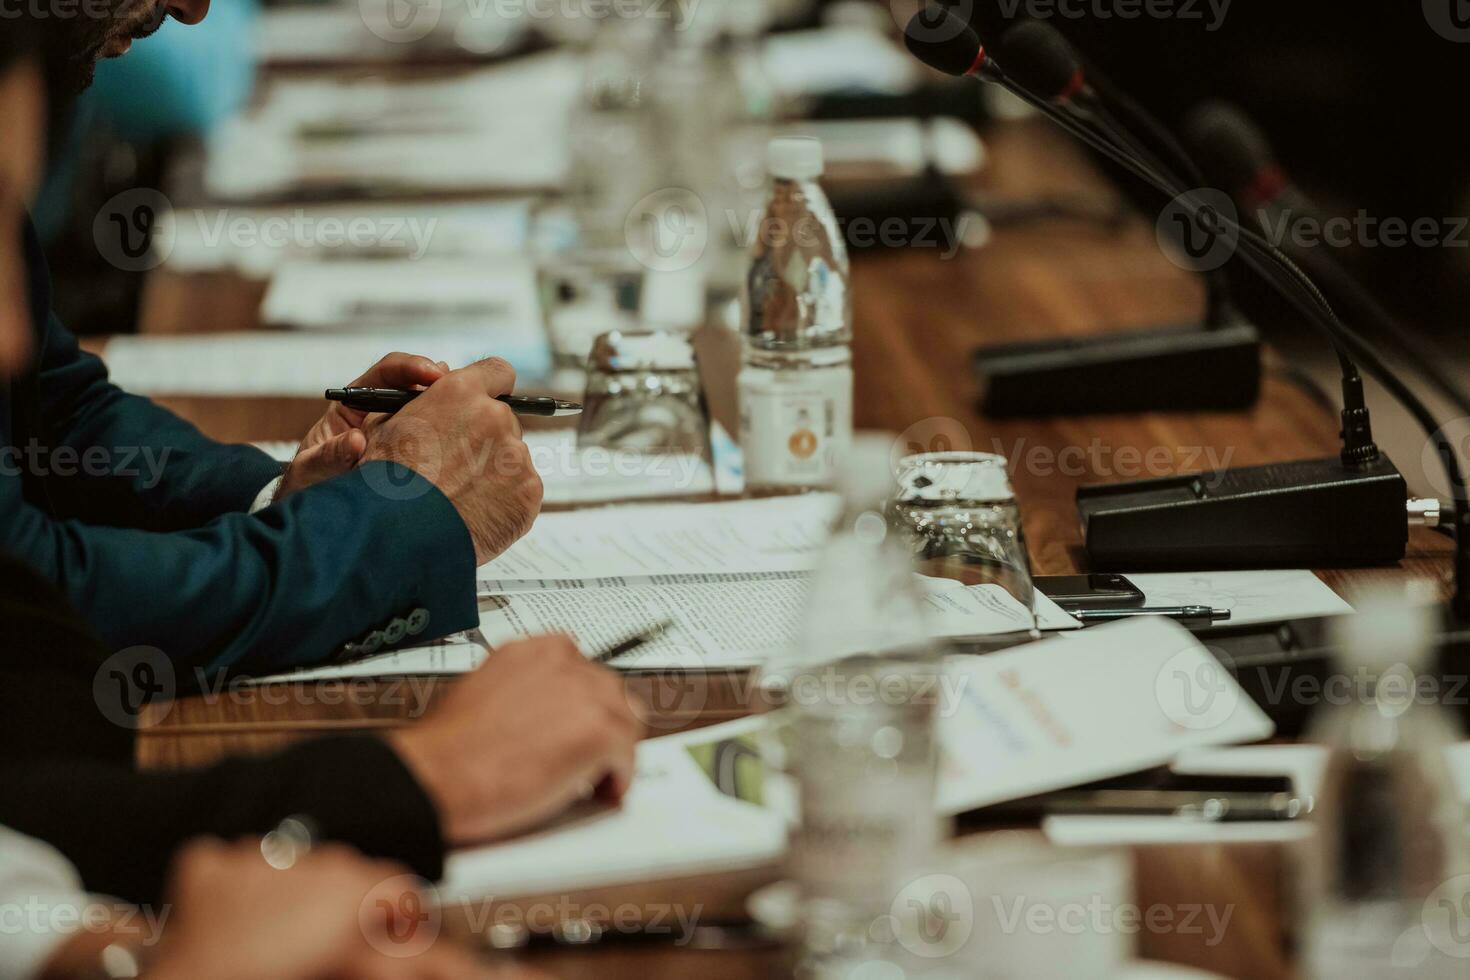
[959, 514]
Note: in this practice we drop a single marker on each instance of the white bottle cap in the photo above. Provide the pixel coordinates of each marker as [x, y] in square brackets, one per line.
[795, 158]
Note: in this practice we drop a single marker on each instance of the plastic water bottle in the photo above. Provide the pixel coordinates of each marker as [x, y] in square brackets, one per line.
[715, 124]
[795, 388]
[1387, 880]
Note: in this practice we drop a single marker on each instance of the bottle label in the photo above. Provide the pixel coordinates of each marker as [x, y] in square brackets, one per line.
[794, 424]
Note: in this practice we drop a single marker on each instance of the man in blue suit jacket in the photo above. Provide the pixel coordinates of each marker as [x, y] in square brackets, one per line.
[210, 553]
[147, 525]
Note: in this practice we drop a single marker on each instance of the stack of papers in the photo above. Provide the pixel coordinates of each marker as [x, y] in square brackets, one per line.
[1037, 718]
[673, 822]
[731, 577]
[500, 129]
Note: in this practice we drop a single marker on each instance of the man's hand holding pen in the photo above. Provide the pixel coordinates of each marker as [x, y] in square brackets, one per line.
[336, 443]
[461, 438]
[457, 434]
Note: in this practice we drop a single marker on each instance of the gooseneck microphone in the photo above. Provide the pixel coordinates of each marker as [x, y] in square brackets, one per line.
[945, 42]
[1343, 511]
[1241, 161]
[1166, 367]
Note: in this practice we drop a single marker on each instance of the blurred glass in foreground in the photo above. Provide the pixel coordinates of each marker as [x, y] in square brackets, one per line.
[862, 697]
[1387, 880]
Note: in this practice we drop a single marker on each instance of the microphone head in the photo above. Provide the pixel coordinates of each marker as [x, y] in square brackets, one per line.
[1230, 147]
[992, 18]
[1041, 61]
[942, 39]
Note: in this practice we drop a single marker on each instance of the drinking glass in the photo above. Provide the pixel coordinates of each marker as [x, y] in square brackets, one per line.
[643, 395]
[959, 514]
[586, 288]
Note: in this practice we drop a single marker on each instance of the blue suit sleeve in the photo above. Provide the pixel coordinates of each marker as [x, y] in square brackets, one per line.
[283, 588]
[114, 458]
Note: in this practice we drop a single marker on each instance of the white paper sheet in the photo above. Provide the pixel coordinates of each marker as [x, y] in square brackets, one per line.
[899, 146]
[838, 59]
[1112, 700]
[673, 822]
[494, 297]
[573, 476]
[724, 620]
[374, 34]
[772, 535]
[257, 241]
[1306, 764]
[449, 656]
[1251, 596]
[302, 365]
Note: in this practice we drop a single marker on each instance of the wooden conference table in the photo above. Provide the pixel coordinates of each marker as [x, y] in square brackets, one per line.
[917, 318]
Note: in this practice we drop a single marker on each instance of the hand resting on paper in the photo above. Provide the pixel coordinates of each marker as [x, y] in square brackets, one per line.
[521, 739]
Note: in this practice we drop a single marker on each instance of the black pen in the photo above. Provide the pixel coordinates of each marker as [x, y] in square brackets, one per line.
[632, 643]
[1187, 615]
[392, 399]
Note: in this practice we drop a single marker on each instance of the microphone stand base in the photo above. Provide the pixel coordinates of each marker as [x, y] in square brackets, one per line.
[1170, 369]
[1317, 513]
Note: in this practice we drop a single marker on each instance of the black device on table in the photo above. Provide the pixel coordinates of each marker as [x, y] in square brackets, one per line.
[1283, 515]
[1100, 590]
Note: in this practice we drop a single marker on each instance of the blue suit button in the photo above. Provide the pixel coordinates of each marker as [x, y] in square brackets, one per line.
[418, 621]
[373, 642]
[395, 632]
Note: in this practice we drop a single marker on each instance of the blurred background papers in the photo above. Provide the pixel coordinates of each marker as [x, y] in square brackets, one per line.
[497, 301]
[256, 241]
[269, 363]
[496, 129]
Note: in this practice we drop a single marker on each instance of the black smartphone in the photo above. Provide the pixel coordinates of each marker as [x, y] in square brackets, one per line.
[1103, 590]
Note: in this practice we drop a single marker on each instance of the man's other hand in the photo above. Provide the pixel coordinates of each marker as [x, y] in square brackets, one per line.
[336, 442]
[536, 729]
